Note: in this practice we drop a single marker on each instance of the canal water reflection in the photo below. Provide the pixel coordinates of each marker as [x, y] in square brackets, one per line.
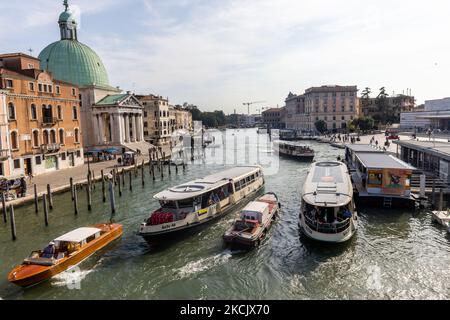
[394, 255]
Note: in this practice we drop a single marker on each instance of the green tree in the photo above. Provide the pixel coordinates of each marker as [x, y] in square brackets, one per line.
[321, 126]
[363, 123]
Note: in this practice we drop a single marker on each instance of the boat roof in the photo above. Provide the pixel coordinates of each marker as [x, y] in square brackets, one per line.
[78, 235]
[290, 143]
[363, 148]
[328, 184]
[198, 187]
[382, 161]
[256, 206]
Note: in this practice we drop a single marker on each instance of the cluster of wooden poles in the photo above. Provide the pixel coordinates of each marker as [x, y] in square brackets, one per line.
[115, 178]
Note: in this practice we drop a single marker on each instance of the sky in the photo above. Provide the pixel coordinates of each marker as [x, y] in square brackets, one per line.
[218, 54]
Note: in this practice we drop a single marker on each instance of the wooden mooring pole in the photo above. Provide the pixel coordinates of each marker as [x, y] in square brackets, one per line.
[36, 200]
[13, 223]
[130, 176]
[89, 196]
[71, 189]
[142, 173]
[112, 199]
[4, 208]
[75, 199]
[119, 177]
[44, 204]
[103, 186]
[50, 196]
[441, 199]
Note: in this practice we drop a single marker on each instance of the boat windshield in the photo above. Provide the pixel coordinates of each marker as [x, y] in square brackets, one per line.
[168, 204]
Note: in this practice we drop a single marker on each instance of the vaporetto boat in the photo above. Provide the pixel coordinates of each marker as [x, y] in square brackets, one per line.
[328, 210]
[202, 200]
[294, 150]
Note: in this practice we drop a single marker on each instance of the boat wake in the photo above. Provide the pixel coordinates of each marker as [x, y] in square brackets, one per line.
[73, 276]
[204, 264]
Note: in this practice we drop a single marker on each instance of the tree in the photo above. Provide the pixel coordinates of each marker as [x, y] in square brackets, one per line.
[321, 126]
[363, 123]
[383, 106]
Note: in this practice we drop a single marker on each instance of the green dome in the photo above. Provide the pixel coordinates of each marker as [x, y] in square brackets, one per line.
[73, 62]
[67, 16]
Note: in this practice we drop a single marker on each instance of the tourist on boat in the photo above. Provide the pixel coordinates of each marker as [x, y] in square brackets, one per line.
[49, 251]
[347, 214]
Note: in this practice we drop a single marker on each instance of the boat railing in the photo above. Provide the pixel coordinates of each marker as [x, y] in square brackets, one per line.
[330, 228]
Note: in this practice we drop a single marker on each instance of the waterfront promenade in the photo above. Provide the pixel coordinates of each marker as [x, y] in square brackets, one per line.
[59, 180]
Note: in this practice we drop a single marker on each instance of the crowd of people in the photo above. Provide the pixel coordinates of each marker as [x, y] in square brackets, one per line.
[327, 215]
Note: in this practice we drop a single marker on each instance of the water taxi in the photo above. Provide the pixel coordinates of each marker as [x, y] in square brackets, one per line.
[294, 150]
[254, 222]
[200, 201]
[63, 253]
[328, 212]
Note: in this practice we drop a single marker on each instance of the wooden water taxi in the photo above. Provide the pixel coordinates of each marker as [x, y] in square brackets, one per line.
[294, 150]
[64, 253]
[200, 201]
[328, 212]
[254, 222]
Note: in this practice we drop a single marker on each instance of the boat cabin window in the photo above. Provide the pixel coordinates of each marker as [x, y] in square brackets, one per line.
[168, 204]
[244, 182]
[216, 196]
[327, 215]
[186, 203]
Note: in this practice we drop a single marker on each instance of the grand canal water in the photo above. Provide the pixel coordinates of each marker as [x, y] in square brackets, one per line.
[395, 254]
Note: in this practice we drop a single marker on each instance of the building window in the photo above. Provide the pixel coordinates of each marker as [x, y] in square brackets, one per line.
[33, 112]
[40, 87]
[74, 113]
[61, 136]
[31, 86]
[59, 110]
[17, 164]
[14, 140]
[9, 83]
[11, 111]
[77, 135]
[145, 114]
[53, 136]
[38, 160]
[58, 90]
[35, 138]
[74, 92]
[45, 88]
[46, 140]
[63, 156]
[78, 154]
[50, 89]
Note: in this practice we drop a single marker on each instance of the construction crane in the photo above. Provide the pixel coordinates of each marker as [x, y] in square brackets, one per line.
[248, 104]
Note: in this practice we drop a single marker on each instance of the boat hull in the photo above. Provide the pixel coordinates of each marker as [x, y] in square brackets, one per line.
[305, 158]
[28, 274]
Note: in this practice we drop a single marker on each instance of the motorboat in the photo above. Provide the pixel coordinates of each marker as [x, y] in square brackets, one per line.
[66, 251]
[254, 222]
[441, 217]
[328, 211]
[202, 200]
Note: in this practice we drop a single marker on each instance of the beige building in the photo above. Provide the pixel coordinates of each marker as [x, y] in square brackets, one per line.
[183, 119]
[157, 124]
[336, 105]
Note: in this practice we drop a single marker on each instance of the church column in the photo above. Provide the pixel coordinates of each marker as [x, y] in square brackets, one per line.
[113, 127]
[120, 130]
[127, 128]
[133, 124]
[141, 124]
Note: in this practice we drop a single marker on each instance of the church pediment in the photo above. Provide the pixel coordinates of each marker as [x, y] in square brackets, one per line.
[130, 101]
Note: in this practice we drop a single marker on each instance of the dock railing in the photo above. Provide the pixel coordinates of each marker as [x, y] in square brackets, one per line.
[330, 228]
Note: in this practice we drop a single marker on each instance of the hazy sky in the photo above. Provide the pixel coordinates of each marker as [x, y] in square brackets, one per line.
[219, 54]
